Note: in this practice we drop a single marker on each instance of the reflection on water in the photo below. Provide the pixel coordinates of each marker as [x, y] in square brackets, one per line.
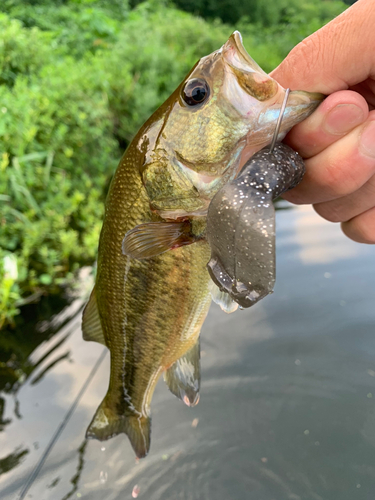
[287, 407]
[12, 460]
[18, 343]
[16, 366]
[75, 479]
[308, 232]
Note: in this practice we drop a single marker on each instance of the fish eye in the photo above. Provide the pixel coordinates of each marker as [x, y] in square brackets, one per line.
[195, 92]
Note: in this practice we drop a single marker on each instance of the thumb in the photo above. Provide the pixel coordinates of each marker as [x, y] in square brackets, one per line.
[336, 57]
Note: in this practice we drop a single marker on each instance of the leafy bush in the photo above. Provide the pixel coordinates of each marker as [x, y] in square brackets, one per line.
[22, 52]
[57, 151]
[77, 27]
[77, 80]
[259, 12]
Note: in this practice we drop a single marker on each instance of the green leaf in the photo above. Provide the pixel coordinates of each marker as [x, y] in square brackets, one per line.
[45, 279]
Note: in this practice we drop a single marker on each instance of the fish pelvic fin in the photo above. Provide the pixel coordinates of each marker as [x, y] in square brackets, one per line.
[153, 238]
[91, 325]
[223, 299]
[107, 424]
[183, 377]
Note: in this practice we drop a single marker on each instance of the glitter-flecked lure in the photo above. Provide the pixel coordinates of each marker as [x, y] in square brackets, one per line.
[241, 224]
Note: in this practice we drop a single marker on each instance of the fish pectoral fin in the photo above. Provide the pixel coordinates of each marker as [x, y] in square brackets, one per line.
[153, 238]
[221, 298]
[183, 377]
[91, 325]
[108, 423]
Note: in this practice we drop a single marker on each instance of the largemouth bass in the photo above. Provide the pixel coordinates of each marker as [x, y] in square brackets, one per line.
[152, 287]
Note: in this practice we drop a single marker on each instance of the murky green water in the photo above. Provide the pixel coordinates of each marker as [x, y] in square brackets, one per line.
[287, 408]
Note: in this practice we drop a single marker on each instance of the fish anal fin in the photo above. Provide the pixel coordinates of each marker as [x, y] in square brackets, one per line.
[91, 325]
[183, 377]
[221, 298]
[107, 424]
[153, 238]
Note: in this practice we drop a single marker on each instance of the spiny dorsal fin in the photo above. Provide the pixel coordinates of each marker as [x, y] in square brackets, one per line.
[183, 378]
[91, 326]
[153, 238]
[223, 299]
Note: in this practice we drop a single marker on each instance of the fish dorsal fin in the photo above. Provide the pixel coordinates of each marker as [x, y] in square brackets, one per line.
[91, 326]
[222, 299]
[183, 378]
[153, 238]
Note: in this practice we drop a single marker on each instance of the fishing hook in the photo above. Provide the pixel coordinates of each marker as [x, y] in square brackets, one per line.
[279, 120]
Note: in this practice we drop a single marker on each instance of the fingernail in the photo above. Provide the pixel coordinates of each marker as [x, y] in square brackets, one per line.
[343, 118]
[367, 140]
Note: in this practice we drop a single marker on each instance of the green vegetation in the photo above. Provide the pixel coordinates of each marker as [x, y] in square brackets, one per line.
[263, 12]
[77, 79]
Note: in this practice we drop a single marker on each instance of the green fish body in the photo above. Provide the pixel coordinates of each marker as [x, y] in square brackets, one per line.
[152, 290]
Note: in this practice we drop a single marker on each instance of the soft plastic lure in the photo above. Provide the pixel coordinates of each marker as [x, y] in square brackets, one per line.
[241, 225]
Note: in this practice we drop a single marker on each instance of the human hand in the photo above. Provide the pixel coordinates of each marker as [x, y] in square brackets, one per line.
[338, 139]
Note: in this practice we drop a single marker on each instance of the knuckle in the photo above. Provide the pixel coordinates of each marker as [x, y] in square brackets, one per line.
[329, 212]
[293, 197]
[335, 179]
[358, 231]
[342, 176]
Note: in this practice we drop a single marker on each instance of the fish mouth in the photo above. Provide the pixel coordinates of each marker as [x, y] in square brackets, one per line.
[300, 105]
[236, 55]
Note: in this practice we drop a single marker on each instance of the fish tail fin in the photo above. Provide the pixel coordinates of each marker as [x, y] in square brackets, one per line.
[108, 423]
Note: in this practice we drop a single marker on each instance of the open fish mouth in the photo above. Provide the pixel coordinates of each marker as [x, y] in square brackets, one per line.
[299, 106]
[262, 97]
[237, 56]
